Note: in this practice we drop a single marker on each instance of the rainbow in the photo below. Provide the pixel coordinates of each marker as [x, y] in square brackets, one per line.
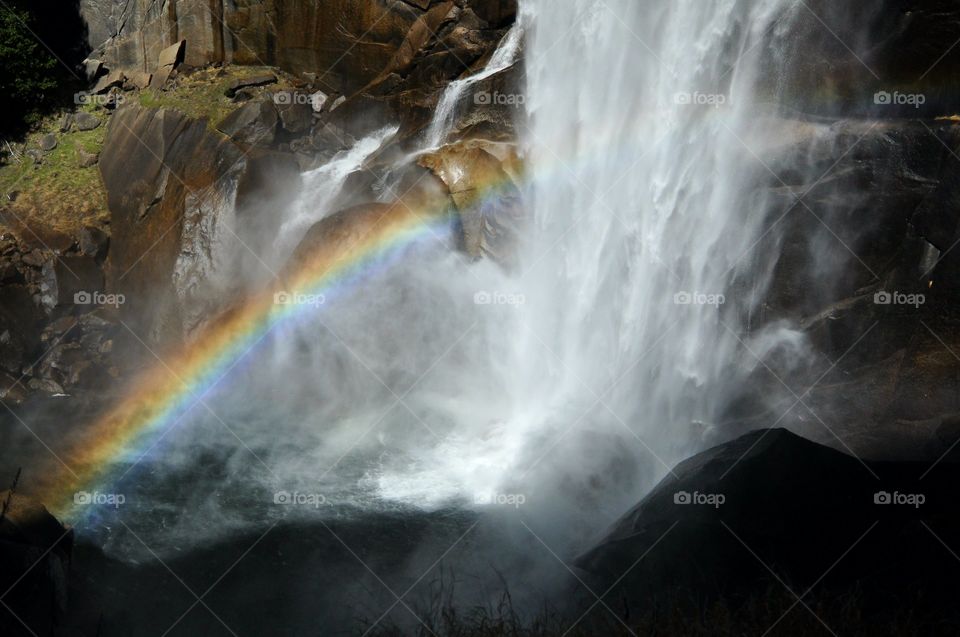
[163, 396]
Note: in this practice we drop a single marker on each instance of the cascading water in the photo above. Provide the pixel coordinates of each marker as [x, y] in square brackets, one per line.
[444, 117]
[320, 188]
[616, 345]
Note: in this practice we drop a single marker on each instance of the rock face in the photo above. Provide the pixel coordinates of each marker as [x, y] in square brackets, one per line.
[56, 323]
[347, 43]
[485, 195]
[174, 189]
[771, 499]
[874, 201]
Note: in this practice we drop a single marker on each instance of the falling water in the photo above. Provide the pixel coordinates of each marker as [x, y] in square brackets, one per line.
[445, 116]
[618, 344]
[321, 187]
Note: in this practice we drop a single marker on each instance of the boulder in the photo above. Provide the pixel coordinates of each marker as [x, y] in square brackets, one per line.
[86, 121]
[167, 61]
[86, 160]
[109, 81]
[772, 500]
[254, 123]
[488, 200]
[296, 112]
[92, 68]
[48, 142]
[250, 82]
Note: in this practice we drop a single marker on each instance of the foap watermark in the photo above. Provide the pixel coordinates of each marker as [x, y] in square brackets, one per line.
[298, 298]
[916, 500]
[496, 98]
[484, 297]
[98, 99]
[287, 98]
[698, 298]
[86, 498]
[295, 498]
[899, 298]
[716, 500]
[99, 298]
[896, 98]
[492, 498]
[697, 98]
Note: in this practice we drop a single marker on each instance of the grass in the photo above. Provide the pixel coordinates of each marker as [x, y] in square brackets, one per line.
[775, 613]
[57, 193]
[201, 95]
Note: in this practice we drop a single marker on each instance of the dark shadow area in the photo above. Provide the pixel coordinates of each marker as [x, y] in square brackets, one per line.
[44, 43]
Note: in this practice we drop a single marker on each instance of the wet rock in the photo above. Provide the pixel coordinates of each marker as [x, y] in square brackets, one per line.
[86, 121]
[254, 123]
[486, 197]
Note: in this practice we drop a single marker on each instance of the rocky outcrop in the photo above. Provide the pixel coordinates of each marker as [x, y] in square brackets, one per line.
[772, 509]
[485, 190]
[57, 323]
[345, 43]
[873, 201]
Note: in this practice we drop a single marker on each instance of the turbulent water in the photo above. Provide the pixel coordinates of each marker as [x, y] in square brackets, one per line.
[570, 385]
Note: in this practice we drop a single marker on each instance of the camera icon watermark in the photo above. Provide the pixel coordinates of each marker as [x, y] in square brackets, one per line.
[884, 498]
[496, 98]
[86, 498]
[287, 98]
[485, 297]
[84, 98]
[896, 98]
[493, 498]
[298, 298]
[295, 498]
[684, 498]
[698, 298]
[899, 298]
[98, 298]
[715, 100]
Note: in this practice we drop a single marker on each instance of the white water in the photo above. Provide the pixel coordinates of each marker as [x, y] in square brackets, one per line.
[444, 118]
[641, 199]
[321, 187]
[580, 395]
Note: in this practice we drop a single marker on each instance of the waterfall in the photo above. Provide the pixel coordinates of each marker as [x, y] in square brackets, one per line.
[321, 187]
[444, 118]
[643, 269]
[619, 342]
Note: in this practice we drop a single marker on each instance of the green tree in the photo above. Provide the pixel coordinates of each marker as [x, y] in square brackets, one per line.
[28, 71]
